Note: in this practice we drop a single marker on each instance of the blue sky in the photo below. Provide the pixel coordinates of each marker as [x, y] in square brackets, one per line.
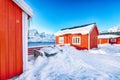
[53, 15]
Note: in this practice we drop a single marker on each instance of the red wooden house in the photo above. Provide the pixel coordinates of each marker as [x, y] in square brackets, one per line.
[14, 21]
[109, 39]
[82, 37]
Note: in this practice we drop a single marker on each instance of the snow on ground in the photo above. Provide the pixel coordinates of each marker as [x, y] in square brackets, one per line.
[102, 63]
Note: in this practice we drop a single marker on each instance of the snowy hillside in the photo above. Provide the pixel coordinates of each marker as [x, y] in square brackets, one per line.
[102, 63]
[35, 36]
[114, 29]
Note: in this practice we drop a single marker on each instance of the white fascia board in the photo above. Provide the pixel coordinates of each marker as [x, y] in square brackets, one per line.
[25, 7]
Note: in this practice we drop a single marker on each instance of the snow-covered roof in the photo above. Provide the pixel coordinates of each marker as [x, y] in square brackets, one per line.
[108, 36]
[25, 7]
[79, 29]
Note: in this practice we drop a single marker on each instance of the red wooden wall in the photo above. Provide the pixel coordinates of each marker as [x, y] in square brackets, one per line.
[103, 41]
[10, 39]
[56, 39]
[118, 40]
[83, 41]
[94, 38]
[99, 41]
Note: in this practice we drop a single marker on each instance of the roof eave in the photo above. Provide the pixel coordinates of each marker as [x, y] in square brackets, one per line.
[25, 7]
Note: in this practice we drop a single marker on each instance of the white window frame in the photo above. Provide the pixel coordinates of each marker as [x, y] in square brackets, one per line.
[61, 40]
[76, 40]
[113, 40]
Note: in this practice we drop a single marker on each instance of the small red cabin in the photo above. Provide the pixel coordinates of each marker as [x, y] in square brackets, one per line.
[14, 21]
[81, 37]
[108, 39]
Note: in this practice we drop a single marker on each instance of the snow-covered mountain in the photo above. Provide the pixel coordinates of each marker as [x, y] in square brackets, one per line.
[35, 36]
[114, 29]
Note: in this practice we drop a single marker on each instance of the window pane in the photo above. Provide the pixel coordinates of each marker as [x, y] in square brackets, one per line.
[76, 40]
[113, 40]
[61, 39]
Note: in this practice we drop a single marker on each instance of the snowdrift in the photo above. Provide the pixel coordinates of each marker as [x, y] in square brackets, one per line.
[102, 63]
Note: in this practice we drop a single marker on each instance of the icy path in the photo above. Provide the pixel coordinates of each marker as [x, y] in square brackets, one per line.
[71, 64]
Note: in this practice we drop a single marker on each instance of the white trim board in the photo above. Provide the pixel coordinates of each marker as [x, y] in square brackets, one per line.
[24, 7]
[25, 40]
[89, 40]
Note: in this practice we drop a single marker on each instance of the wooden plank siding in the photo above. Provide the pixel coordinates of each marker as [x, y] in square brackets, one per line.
[3, 44]
[118, 40]
[18, 39]
[10, 39]
[83, 41]
[94, 38]
[104, 41]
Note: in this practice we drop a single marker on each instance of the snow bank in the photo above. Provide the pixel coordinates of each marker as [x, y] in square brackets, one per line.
[72, 64]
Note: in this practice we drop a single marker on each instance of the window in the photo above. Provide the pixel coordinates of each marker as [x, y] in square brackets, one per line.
[76, 40]
[61, 39]
[112, 40]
